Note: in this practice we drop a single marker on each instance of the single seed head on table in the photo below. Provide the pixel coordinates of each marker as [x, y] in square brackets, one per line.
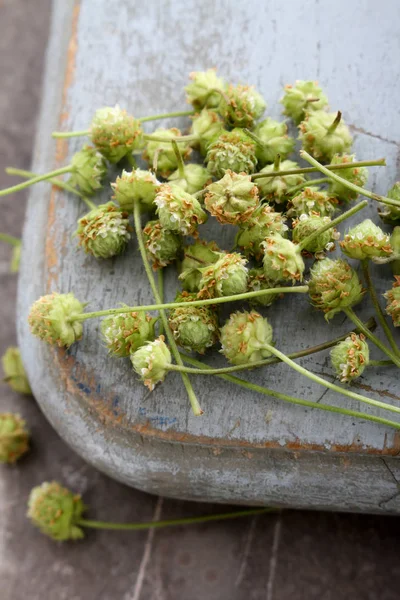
[301, 98]
[194, 179]
[196, 256]
[282, 259]
[232, 199]
[307, 224]
[244, 337]
[350, 357]
[178, 211]
[263, 222]
[312, 200]
[273, 135]
[366, 240]
[151, 362]
[125, 333]
[195, 328]
[115, 133]
[51, 319]
[162, 245]
[104, 231]
[14, 438]
[207, 126]
[232, 150]
[167, 161]
[133, 186]
[89, 169]
[14, 372]
[199, 92]
[226, 277]
[241, 106]
[321, 138]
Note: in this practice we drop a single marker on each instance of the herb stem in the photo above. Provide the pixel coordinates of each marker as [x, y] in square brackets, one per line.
[381, 162]
[37, 179]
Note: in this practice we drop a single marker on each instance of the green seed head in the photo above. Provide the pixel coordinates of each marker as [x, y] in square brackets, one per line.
[277, 189]
[226, 277]
[151, 362]
[89, 169]
[301, 98]
[391, 214]
[245, 338]
[312, 200]
[207, 126]
[275, 140]
[104, 231]
[195, 178]
[51, 319]
[256, 282]
[125, 333]
[305, 225]
[115, 133]
[395, 243]
[234, 151]
[356, 175]
[366, 240]
[241, 106]
[14, 371]
[14, 438]
[233, 198]
[199, 92]
[282, 260]
[393, 302]
[197, 256]
[321, 138]
[163, 152]
[135, 186]
[195, 328]
[56, 511]
[350, 357]
[162, 245]
[262, 223]
[179, 211]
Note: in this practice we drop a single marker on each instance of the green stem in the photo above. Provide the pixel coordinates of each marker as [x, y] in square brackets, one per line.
[70, 134]
[179, 113]
[348, 184]
[335, 123]
[174, 349]
[179, 138]
[181, 164]
[381, 162]
[308, 183]
[302, 289]
[25, 184]
[377, 306]
[173, 522]
[277, 162]
[380, 363]
[160, 283]
[293, 400]
[131, 160]
[353, 317]
[255, 138]
[349, 213]
[9, 239]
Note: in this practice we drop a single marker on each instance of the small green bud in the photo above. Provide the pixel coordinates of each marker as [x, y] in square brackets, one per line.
[14, 371]
[312, 200]
[301, 98]
[257, 281]
[167, 161]
[305, 225]
[162, 245]
[282, 259]
[350, 357]
[241, 105]
[263, 222]
[198, 255]
[391, 214]
[195, 178]
[115, 133]
[195, 328]
[233, 198]
[179, 211]
[334, 286]
[277, 189]
[200, 93]
[393, 304]
[207, 126]
[395, 243]
[234, 151]
[135, 186]
[356, 175]
[56, 511]
[14, 438]
[323, 136]
[104, 231]
[51, 319]
[226, 277]
[366, 240]
[151, 362]
[126, 332]
[246, 337]
[89, 169]
[275, 140]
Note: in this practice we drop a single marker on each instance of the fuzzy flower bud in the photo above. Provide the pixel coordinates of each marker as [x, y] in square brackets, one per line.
[56, 511]
[126, 332]
[89, 169]
[366, 240]
[207, 126]
[356, 175]
[200, 93]
[14, 438]
[393, 302]
[233, 150]
[198, 255]
[14, 371]
[233, 198]
[179, 211]
[226, 277]
[391, 214]
[241, 105]
[51, 319]
[115, 133]
[162, 245]
[312, 200]
[195, 328]
[275, 140]
[350, 357]
[257, 281]
[282, 260]
[263, 222]
[195, 178]
[167, 161]
[301, 98]
[334, 286]
[104, 231]
[277, 189]
[151, 362]
[135, 186]
[323, 136]
[305, 225]
[245, 338]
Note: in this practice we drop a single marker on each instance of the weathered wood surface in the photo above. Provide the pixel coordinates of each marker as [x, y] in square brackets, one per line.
[245, 449]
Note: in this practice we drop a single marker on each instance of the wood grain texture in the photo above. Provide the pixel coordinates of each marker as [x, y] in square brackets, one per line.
[245, 449]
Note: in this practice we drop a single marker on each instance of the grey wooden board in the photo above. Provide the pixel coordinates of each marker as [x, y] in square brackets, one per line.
[245, 448]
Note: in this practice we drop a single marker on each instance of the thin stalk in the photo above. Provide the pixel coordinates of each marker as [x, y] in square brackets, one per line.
[179, 138]
[173, 522]
[44, 177]
[302, 289]
[380, 363]
[277, 162]
[308, 183]
[348, 184]
[381, 162]
[293, 400]
[181, 164]
[335, 123]
[174, 349]
[255, 138]
[160, 283]
[353, 317]
[70, 134]
[346, 215]
[377, 306]
[9, 239]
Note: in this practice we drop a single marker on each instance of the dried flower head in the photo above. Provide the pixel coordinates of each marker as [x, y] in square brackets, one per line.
[356, 175]
[232, 150]
[233, 198]
[226, 277]
[263, 222]
[151, 362]
[89, 169]
[306, 225]
[312, 200]
[126, 332]
[241, 106]
[256, 282]
[162, 245]
[195, 328]
[325, 134]
[197, 256]
[350, 357]
[301, 98]
[51, 319]
[200, 92]
[14, 438]
[275, 139]
[278, 188]
[393, 302]
[162, 155]
[246, 337]
[14, 371]
[104, 231]
[179, 211]
[194, 179]
[115, 133]
[207, 126]
[366, 240]
[135, 186]
[391, 214]
[282, 259]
